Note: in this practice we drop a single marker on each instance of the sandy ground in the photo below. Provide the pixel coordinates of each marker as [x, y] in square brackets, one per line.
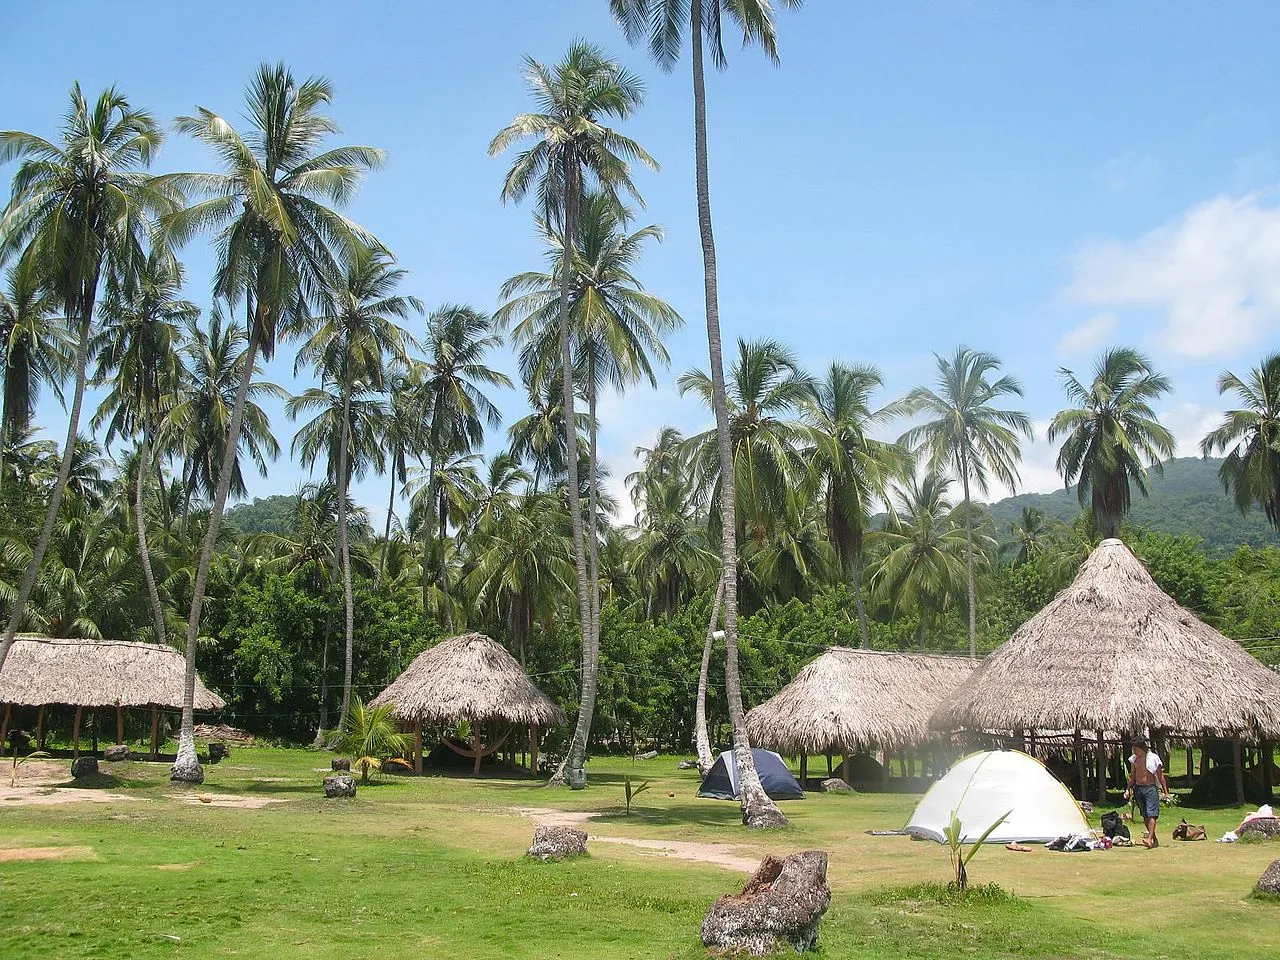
[226, 800]
[718, 854]
[46, 853]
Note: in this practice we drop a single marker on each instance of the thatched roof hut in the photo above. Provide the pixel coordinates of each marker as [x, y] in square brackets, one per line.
[847, 701]
[96, 673]
[1114, 652]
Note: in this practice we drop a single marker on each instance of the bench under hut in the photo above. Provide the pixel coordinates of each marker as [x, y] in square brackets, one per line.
[41, 672]
[470, 678]
[1112, 658]
[849, 702]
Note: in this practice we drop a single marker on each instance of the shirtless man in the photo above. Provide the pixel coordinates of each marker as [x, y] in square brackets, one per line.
[1147, 785]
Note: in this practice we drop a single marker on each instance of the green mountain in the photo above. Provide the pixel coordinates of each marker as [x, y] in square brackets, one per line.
[1186, 498]
[265, 514]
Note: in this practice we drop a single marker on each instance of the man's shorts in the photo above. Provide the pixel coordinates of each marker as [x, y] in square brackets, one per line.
[1148, 800]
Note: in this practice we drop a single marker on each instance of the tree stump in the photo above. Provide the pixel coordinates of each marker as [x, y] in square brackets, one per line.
[781, 905]
[340, 785]
[340, 763]
[556, 843]
[84, 767]
[1269, 882]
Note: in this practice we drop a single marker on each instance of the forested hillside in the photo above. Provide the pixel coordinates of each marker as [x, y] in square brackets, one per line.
[274, 514]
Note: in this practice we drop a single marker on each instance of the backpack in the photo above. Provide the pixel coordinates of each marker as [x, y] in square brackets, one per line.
[1113, 826]
[1189, 831]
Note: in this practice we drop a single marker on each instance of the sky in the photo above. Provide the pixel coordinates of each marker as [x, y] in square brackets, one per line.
[1037, 180]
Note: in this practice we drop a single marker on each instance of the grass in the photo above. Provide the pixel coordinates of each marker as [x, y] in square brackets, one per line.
[433, 867]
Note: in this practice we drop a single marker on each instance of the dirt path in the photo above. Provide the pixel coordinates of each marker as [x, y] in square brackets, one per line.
[33, 796]
[46, 853]
[226, 800]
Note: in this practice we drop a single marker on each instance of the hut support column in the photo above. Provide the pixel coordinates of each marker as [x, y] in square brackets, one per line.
[155, 731]
[417, 746]
[1239, 765]
[884, 770]
[1102, 768]
[40, 728]
[475, 744]
[1267, 752]
[533, 749]
[1078, 749]
[75, 733]
[4, 725]
[846, 769]
[119, 724]
[804, 769]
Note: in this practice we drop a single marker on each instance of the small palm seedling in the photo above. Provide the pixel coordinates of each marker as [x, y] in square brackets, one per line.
[960, 857]
[19, 761]
[632, 791]
[369, 736]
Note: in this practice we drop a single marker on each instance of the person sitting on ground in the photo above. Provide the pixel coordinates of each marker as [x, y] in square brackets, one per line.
[1147, 786]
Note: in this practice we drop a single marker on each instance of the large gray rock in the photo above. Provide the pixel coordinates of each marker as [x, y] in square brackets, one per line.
[84, 767]
[115, 753]
[780, 906]
[555, 843]
[340, 763]
[836, 785]
[1263, 828]
[340, 785]
[1269, 882]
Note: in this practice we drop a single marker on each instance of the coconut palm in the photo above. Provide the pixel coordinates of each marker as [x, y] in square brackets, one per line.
[855, 469]
[137, 357]
[1112, 435]
[36, 347]
[669, 550]
[80, 211]
[402, 437]
[970, 436]
[1030, 535]
[371, 736]
[352, 340]
[455, 409]
[572, 150]
[538, 438]
[1250, 436]
[276, 244]
[662, 23]
[663, 463]
[446, 494]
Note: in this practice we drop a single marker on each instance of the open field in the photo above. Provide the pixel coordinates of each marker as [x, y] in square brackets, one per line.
[432, 867]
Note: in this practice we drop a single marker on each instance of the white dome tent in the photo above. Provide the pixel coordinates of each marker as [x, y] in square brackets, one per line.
[983, 786]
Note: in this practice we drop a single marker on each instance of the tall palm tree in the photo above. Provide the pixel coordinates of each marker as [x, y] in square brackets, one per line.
[662, 23]
[137, 355]
[80, 210]
[402, 437]
[1112, 434]
[352, 341]
[572, 150]
[538, 438]
[1251, 434]
[455, 409]
[1030, 535]
[970, 436]
[35, 350]
[855, 468]
[446, 493]
[277, 242]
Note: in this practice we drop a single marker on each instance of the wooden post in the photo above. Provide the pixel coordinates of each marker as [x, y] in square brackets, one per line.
[804, 769]
[40, 728]
[75, 733]
[119, 724]
[847, 768]
[830, 771]
[475, 744]
[417, 745]
[1268, 767]
[884, 770]
[1239, 765]
[1031, 742]
[1102, 769]
[1190, 765]
[533, 749]
[1078, 750]
[155, 731]
[4, 725]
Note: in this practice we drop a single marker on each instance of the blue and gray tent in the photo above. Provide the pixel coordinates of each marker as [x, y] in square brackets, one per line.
[721, 781]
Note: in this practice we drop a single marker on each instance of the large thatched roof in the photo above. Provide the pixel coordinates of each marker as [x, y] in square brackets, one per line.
[96, 673]
[853, 700]
[1114, 652]
[468, 678]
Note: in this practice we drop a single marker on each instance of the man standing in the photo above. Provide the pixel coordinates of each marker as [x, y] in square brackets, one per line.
[1147, 785]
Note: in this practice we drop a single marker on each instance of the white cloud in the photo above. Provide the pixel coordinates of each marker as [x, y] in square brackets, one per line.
[1212, 276]
[1089, 336]
[1189, 422]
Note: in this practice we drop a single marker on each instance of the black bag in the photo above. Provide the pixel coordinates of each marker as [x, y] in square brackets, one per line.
[1113, 826]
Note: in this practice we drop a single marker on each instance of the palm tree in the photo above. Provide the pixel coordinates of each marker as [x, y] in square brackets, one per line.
[854, 468]
[538, 438]
[572, 149]
[137, 355]
[455, 410]
[352, 340]
[969, 436]
[663, 464]
[446, 493]
[669, 550]
[1111, 432]
[79, 211]
[1251, 470]
[37, 350]
[661, 23]
[1030, 535]
[277, 243]
[402, 437]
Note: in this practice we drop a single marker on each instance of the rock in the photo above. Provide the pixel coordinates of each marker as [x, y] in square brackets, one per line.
[836, 785]
[84, 767]
[780, 906]
[1269, 882]
[555, 843]
[648, 755]
[687, 765]
[340, 763]
[1263, 828]
[115, 753]
[218, 751]
[340, 785]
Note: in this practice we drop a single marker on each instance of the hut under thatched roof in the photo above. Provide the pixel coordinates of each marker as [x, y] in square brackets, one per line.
[469, 677]
[849, 701]
[45, 671]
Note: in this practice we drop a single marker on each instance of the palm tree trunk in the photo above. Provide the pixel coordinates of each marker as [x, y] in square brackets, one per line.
[593, 506]
[186, 768]
[344, 544]
[428, 527]
[60, 485]
[144, 551]
[968, 556]
[442, 519]
[702, 739]
[859, 600]
[757, 809]
[386, 533]
[573, 770]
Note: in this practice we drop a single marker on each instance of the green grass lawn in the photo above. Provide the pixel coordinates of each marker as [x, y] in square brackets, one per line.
[432, 867]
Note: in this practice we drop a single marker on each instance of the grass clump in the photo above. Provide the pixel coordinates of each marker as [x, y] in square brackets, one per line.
[945, 894]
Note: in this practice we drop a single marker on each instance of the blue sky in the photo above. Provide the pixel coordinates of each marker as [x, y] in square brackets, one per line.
[1038, 180]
